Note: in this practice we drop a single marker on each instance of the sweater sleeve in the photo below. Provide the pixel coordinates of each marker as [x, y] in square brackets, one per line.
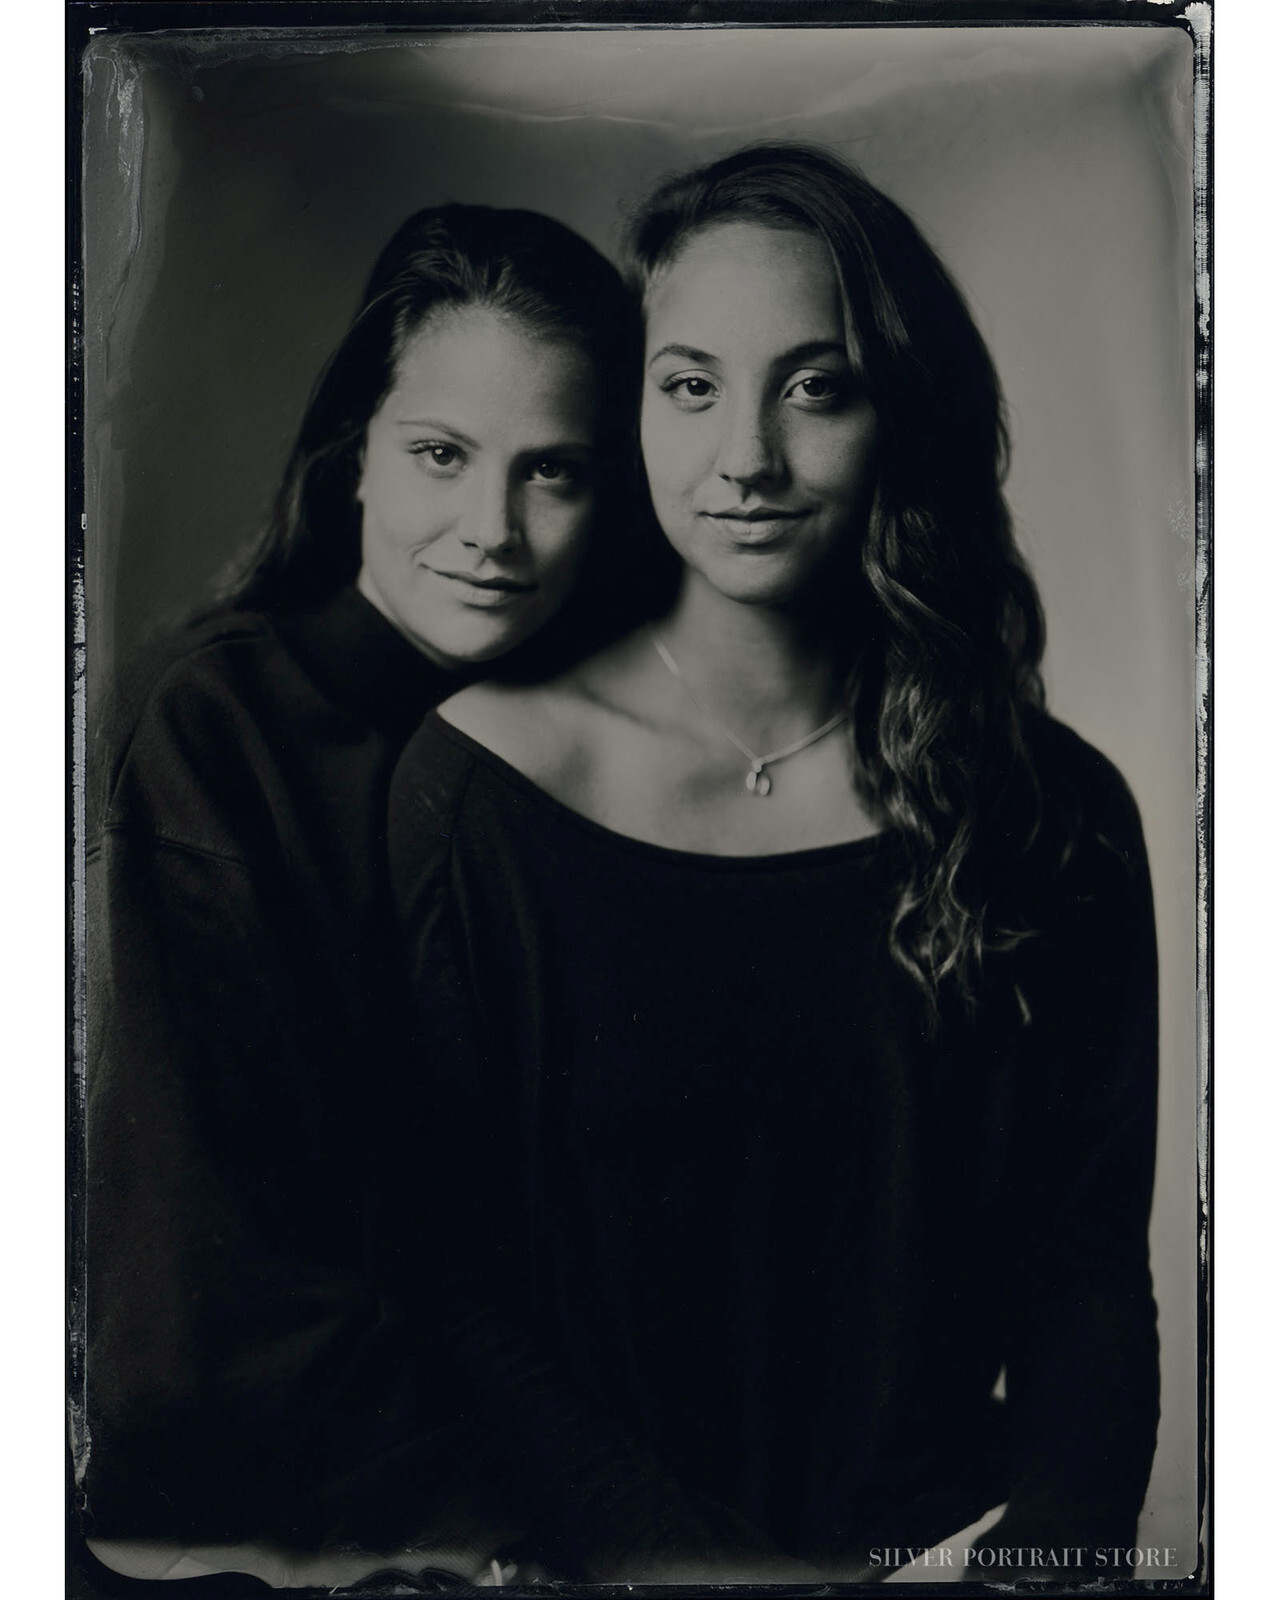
[1082, 1371]
[246, 1378]
[600, 1507]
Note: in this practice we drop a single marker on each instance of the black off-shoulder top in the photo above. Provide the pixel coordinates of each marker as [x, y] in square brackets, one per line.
[732, 1246]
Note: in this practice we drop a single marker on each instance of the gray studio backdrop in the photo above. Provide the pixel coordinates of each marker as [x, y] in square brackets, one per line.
[237, 192]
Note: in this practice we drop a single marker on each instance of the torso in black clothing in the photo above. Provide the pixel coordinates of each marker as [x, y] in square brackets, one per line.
[734, 1151]
[742, 1192]
[243, 1045]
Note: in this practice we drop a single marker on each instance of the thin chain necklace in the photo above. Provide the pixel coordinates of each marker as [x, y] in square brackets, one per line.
[758, 781]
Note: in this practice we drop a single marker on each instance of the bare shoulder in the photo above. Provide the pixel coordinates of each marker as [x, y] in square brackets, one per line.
[522, 723]
[551, 731]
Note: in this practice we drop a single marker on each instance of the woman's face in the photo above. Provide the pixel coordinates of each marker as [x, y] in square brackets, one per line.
[476, 485]
[758, 437]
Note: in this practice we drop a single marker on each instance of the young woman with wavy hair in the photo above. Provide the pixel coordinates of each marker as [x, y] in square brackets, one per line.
[790, 972]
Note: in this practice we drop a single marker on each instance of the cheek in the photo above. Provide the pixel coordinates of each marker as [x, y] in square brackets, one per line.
[562, 538]
[401, 505]
[380, 504]
[672, 447]
[839, 465]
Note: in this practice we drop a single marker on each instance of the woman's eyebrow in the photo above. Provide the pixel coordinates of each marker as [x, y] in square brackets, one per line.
[686, 352]
[800, 352]
[430, 425]
[559, 447]
[814, 348]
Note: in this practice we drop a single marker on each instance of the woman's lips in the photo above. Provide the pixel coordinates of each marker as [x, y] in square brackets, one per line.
[756, 525]
[485, 592]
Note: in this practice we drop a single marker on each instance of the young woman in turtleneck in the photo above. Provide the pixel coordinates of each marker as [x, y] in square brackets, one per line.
[248, 1374]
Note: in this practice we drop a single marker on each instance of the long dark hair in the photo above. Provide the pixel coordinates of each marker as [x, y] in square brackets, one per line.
[519, 263]
[946, 627]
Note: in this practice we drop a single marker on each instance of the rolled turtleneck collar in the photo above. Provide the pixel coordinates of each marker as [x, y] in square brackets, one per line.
[361, 661]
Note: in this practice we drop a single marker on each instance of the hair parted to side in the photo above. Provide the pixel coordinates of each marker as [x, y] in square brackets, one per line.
[946, 631]
[520, 264]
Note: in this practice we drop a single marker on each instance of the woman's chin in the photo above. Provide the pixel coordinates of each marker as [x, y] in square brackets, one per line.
[780, 585]
[470, 641]
[784, 572]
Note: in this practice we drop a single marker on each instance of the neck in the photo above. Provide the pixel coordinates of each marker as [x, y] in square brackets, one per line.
[769, 672]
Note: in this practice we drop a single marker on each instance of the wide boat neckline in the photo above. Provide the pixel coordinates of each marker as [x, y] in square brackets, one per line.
[811, 856]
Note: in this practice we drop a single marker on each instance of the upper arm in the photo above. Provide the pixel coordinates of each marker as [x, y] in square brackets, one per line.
[1089, 977]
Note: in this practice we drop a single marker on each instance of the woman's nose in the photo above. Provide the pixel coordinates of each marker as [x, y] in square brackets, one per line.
[749, 450]
[492, 523]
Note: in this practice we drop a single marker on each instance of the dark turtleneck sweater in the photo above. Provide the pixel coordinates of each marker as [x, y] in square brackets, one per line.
[240, 1377]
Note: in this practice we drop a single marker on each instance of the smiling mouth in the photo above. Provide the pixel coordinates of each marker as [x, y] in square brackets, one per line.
[756, 514]
[495, 589]
[756, 525]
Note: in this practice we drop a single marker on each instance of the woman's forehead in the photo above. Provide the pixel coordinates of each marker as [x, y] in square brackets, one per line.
[741, 283]
[484, 371]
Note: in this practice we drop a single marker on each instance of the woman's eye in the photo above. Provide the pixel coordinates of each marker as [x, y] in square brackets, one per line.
[818, 387]
[690, 391]
[566, 477]
[437, 454]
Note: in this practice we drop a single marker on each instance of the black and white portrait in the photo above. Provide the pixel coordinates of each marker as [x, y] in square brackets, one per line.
[636, 811]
